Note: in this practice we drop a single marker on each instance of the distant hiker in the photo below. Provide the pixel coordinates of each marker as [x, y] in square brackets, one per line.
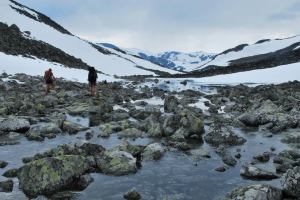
[92, 80]
[49, 80]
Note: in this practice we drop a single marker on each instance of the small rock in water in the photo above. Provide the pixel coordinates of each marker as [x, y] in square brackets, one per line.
[132, 195]
[238, 156]
[3, 164]
[89, 135]
[221, 169]
[12, 173]
[153, 151]
[252, 172]
[265, 157]
[272, 148]
[6, 186]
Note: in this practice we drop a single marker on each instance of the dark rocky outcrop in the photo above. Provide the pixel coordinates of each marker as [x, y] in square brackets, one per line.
[13, 42]
[38, 17]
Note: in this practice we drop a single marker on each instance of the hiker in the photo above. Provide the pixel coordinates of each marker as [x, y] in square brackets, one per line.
[92, 80]
[49, 80]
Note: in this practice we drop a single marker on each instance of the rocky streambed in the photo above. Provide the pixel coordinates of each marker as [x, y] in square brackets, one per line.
[148, 139]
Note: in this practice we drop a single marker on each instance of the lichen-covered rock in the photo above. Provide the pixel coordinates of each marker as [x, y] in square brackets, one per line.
[135, 150]
[153, 151]
[287, 159]
[51, 174]
[291, 182]
[227, 138]
[78, 109]
[6, 186]
[45, 128]
[171, 104]
[252, 172]
[226, 156]
[117, 163]
[132, 195]
[258, 116]
[265, 157]
[72, 128]
[130, 133]
[255, 192]
[15, 125]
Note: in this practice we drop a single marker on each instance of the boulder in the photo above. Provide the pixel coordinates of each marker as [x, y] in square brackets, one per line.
[117, 163]
[11, 173]
[45, 128]
[252, 172]
[51, 174]
[258, 116]
[265, 157]
[255, 192]
[291, 182]
[135, 150]
[226, 156]
[3, 164]
[79, 109]
[132, 195]
[6, 186]
[15, 125]
[226, 138]
[153, 151]
[72, 128]
[171, 104]
[81, 183]
[171, 124]
[130, 133]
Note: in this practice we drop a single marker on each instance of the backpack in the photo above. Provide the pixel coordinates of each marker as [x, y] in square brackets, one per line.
[93, 76]
[48, 75]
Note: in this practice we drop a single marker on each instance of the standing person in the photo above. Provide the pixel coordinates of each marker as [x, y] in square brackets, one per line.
[49, 80]
[92, 80]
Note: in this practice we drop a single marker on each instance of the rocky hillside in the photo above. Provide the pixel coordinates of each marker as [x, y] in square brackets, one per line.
[14, 42]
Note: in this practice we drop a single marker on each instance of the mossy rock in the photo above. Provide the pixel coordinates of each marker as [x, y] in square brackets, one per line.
[51, 174]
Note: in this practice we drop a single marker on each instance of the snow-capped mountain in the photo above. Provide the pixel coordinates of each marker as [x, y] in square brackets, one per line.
[30, 42]
[175, 60]
[263, 54]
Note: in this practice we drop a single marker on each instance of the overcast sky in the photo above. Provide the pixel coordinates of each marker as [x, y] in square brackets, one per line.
[182, 25]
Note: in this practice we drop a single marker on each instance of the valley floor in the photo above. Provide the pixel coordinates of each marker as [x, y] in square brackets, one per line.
[158, 139]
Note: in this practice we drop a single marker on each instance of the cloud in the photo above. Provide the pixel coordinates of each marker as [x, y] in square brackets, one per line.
[186, 25]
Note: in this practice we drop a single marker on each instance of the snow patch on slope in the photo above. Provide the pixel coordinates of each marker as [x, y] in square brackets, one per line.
[252, 50]
[36, 67]
[274, 75]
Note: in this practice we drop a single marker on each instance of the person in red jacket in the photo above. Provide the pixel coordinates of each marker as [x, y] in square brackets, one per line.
[49, 80]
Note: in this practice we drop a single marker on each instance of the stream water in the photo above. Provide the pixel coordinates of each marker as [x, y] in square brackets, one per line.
[177, 176]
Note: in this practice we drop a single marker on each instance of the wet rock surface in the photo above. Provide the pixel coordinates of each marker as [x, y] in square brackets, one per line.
[6, 186]
[291, 182]
[255, 192]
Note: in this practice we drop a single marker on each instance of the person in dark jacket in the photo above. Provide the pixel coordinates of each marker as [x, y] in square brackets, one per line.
[49, 80]
[92, 78]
